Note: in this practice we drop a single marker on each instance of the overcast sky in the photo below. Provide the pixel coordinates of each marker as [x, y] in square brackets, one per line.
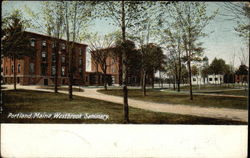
[222, 43]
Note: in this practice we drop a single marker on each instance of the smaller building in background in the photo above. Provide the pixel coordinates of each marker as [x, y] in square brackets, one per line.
[113, 69]
[211, 79]
[241, 78]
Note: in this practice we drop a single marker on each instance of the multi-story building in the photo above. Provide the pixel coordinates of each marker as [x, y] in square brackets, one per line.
[40, 69]
[114, 69]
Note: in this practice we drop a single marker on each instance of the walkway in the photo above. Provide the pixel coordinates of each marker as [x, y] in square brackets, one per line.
[220, 113]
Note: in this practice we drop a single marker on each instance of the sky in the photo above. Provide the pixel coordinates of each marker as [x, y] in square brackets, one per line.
[222, 43]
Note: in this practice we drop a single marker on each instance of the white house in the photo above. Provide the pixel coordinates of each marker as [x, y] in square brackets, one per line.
[215, 79]
[211, 79]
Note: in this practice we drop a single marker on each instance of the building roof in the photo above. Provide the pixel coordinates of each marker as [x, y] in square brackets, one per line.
[47, 36]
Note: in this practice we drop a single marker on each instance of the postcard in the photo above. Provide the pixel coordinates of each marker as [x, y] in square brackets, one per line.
[124, 79]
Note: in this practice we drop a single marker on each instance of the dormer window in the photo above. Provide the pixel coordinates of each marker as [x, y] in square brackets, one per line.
[44, 43]
[32, 42]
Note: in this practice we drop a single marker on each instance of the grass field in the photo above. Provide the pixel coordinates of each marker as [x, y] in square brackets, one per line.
[241, 92]
[183, 98]
[33, 101]
[212, 87]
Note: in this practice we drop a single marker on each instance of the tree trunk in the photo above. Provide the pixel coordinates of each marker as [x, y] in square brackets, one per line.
[69, 50]
[159, 79]
[179, 66]
[153, 80]
[56, 74]
[70, 75]
[144, 83]
[190, 81]
[105, 79]
[173, 83]
[177, 82]
[14, 58]
[169, 82]
[124, 68]
[141, 81]
[1, 80]
[162, 82]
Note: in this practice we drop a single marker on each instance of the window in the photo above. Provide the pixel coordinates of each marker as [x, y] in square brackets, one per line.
[6, 70]
[32, 68]
[53, 57]
[80, 70]
[32, 42]
[210, 79]
[53, 70]
[80, 51]
[220, 79]
[44, 54]
[44, 43]
[215, 78]
[63, 71]
[12, 68]
[112, 68]
[86, 78]
[44, 69]
[194, 79]
[63, 59]
[80, 62]
[63, 46]
[53, 45]
[18, 68]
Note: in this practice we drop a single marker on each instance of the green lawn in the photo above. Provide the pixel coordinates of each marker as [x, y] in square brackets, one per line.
[183, 98]
[211, 87]
[241, 92]
[33, 101]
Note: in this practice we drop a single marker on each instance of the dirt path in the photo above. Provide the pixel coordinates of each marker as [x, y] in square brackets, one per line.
[221, 113]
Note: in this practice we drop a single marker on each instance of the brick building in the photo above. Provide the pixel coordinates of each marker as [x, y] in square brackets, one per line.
[241, 78]
[40, 68]
[114, 70]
